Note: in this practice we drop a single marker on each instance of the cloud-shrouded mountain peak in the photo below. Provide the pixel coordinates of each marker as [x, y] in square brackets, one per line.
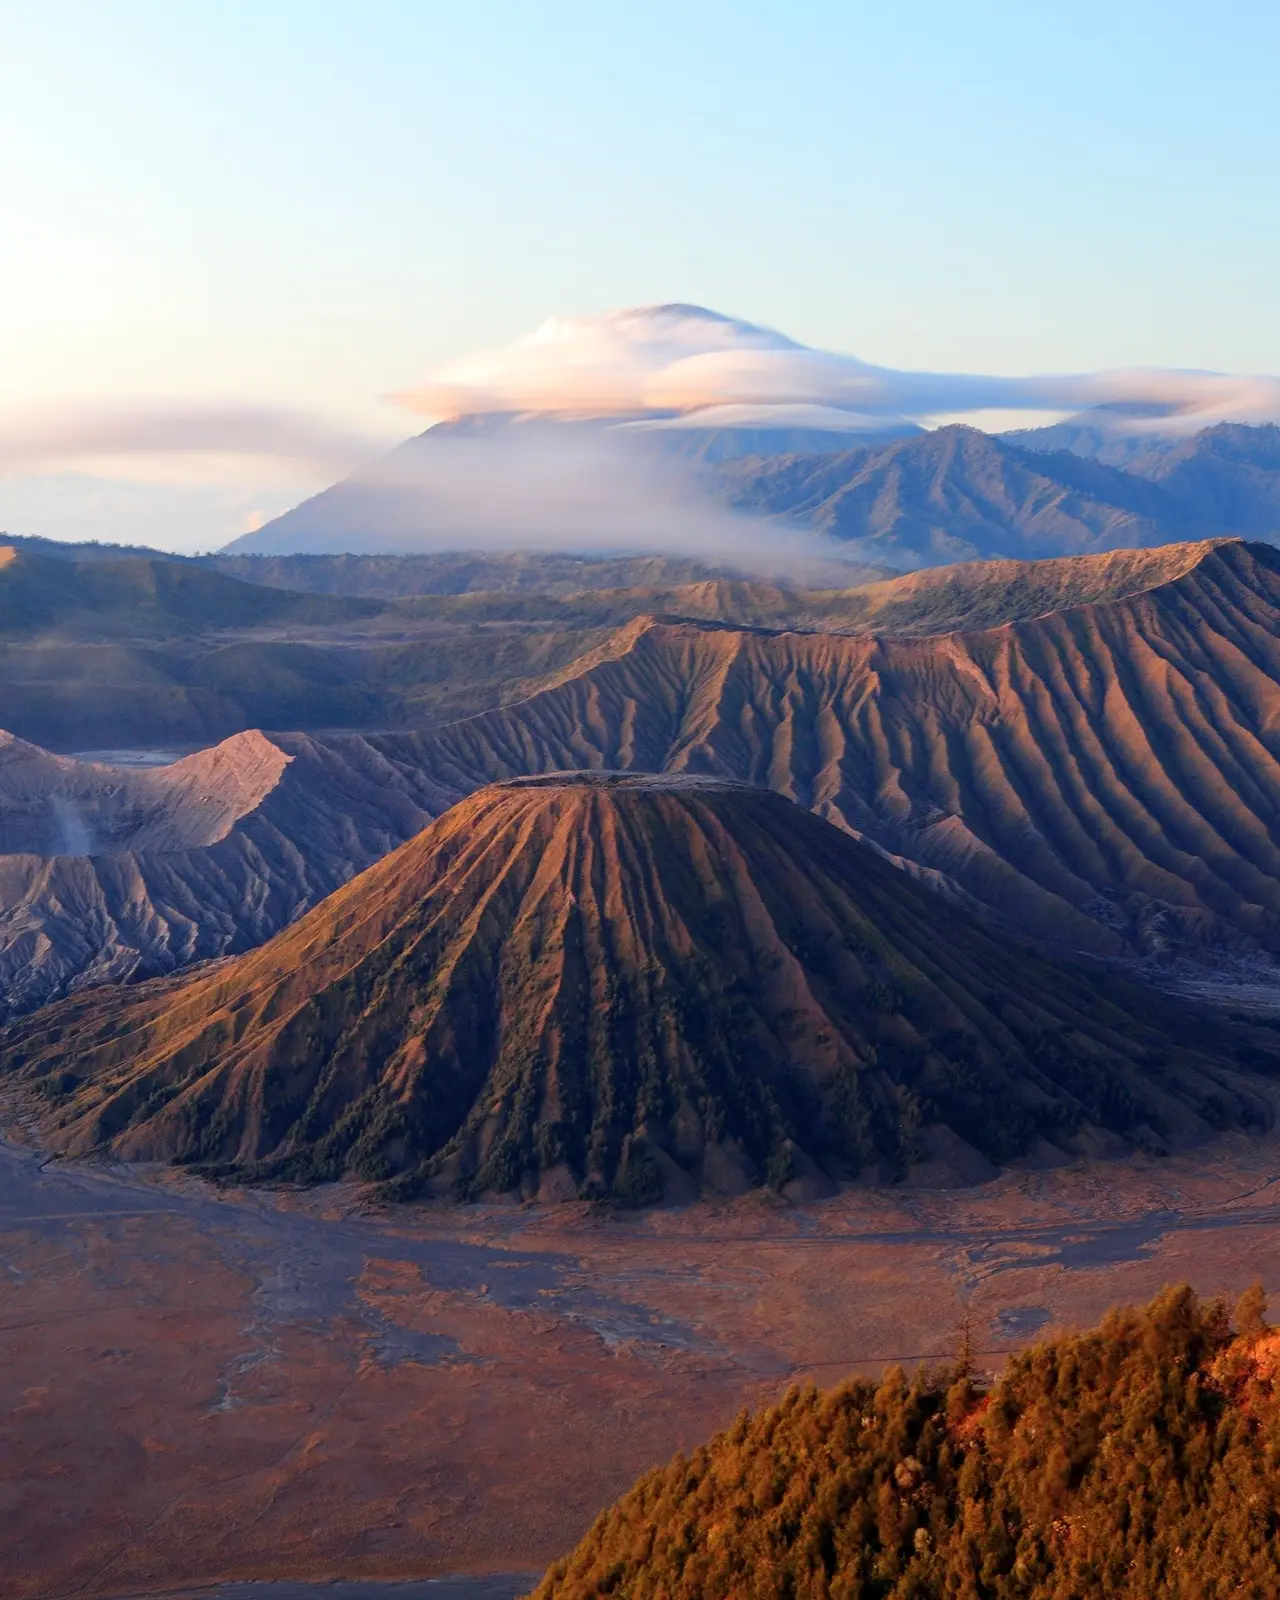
[675, 360]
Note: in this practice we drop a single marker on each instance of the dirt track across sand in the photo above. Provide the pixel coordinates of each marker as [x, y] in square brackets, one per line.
[201, 1387]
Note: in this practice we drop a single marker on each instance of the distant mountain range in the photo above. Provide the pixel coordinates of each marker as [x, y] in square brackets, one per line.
[529, 482]
[956, 494]
[929, 498]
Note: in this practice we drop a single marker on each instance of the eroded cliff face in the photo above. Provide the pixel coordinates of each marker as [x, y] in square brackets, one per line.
[1099, 773]
[54, 805]
[1106, 776]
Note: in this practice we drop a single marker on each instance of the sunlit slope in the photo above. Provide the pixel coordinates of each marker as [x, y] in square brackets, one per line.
[124, 652]
[984, 594]
[1106, 775]
[1135, 1460]
[1101, 771]
[637, 985]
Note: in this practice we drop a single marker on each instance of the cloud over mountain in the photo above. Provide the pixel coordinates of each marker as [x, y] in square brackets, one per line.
[680, 359]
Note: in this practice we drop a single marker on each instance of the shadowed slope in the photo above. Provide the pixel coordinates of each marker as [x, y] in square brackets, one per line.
[959, 495]
[624, 983]
[542, 573]
[137, 596]
[1228, 476]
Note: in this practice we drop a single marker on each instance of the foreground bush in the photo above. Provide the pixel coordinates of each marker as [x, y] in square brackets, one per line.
[1139, 1460]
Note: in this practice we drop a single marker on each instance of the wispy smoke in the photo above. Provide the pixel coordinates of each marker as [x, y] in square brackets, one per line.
[680, 359]
[72, 833]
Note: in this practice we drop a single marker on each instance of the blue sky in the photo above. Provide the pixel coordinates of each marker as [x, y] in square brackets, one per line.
[316, 204]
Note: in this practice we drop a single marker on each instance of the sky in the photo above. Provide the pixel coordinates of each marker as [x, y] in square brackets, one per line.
[299, 210]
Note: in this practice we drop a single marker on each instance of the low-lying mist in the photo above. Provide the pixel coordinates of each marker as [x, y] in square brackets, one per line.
[544, 487]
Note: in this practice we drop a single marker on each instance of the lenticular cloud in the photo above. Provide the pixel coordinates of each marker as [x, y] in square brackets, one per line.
[679, 360]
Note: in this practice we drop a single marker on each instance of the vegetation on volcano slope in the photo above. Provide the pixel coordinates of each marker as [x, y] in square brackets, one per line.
[1135, 1461]
[631, 986]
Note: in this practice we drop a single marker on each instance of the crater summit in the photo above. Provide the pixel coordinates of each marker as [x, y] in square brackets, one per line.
[606, 983]
[57, 806]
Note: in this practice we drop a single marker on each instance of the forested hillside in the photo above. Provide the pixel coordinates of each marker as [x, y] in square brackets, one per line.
[1135, 1461]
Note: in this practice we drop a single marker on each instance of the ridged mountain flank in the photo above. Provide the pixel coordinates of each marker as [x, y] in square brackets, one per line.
[601, 983]
[957, 494]
[1086, 747]
[1104, 771]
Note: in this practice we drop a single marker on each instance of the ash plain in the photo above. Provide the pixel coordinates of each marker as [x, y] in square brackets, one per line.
[211, 1387]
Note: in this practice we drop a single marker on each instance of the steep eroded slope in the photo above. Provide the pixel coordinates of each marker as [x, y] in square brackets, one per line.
[1107, 776]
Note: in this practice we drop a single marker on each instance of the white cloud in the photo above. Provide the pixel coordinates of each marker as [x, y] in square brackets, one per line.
[830, 419]
[73, 436]
[682, 360]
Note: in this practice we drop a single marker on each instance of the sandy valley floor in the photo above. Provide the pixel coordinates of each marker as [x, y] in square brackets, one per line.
[202, 1387]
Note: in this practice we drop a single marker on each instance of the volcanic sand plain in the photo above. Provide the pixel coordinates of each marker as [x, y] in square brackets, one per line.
[206, 1387]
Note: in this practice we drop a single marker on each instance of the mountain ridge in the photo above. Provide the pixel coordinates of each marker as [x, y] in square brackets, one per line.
[951, 494]
[943, 749]
[958, 494]
[1102, 776]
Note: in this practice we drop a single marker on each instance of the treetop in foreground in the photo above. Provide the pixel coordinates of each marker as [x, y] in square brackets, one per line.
[1137, 1460]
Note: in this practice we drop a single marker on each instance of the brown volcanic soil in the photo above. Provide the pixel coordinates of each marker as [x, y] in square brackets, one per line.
[644, 986]
[53, 805]
[1094, 759]
[198, 1387]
